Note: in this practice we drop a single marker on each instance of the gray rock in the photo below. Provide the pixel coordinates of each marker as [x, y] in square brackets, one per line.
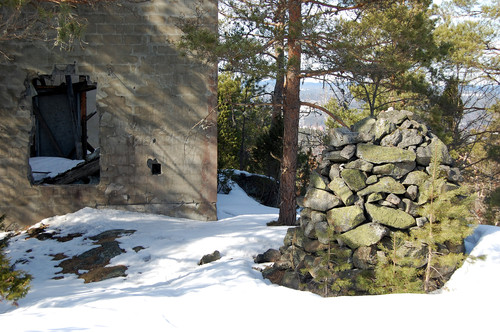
[390, 217]
[294, 236]
[395, 116]
[365, 258]
[346, 218]
[424, 154]
[320, 200]
[321, 229]
[365, 125]
[383, 154]
[396, 170]
[271, 255]
[372, 179]
[383, 127]
[335, 156]
[339, 187]
[355, 179]
[393, 139]
[364, 235]
[334, 171]
[416, 178]
[348, 151]
[421, 221]
[410, 137]
[393, 199]
[374, 197]
[209, 258]
[360, 164]
[410, 207]
[317, 181]
[384, 185]
[412, 192]
[342, 136]
[291, 279]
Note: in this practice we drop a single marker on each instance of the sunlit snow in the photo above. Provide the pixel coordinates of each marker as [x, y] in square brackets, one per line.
[166, 290]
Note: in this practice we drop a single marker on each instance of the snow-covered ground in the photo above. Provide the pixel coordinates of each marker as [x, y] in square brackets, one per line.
[166, 290]
[49, 167]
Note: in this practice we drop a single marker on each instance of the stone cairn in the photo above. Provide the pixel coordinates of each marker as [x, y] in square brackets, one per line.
[370, 183]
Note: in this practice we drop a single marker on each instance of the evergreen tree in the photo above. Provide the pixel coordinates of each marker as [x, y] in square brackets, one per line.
[290, 39]
[42, 20]
[14, 284]
[424, 258]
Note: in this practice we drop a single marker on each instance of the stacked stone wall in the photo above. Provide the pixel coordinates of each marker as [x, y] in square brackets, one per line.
[370, 184]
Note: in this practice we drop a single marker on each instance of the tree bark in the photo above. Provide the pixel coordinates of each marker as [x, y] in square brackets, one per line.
[291, 111]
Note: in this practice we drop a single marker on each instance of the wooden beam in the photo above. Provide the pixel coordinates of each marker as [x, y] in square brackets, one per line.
[46, 127]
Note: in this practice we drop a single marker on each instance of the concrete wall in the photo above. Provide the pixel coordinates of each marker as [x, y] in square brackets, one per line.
[152, 104]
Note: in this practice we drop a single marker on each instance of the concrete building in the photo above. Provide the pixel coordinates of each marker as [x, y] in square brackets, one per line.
[140, 115]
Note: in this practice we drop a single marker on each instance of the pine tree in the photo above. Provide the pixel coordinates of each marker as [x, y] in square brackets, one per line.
[425, 257]
[294, 40]
[14, 284]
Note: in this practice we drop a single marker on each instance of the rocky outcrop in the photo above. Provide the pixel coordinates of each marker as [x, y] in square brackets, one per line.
[370, 184]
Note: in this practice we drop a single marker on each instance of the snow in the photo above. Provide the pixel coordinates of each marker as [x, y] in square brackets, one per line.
[43, 167]
[165, 289]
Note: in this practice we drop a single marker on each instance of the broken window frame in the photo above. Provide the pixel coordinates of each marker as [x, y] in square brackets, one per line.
[76, 94]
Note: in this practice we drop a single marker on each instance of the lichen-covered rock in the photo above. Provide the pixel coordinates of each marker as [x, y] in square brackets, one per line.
[364, 126]
[335, 156]
[396, 170]
[390, 217]
[340, 188]
[320, 200]
[364, 235]
[424, 154]
[317, 181]
[342, 136]
[392, 139]
[360, 164]
[383, 154]
[410, 137]
[384, 185]
[396, 116]
[383, 127]
[365, 257]
[363, 203]
[345, 218]
[355, 179]
[416, 178]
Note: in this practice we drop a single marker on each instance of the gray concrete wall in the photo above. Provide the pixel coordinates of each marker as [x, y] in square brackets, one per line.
[152, 104]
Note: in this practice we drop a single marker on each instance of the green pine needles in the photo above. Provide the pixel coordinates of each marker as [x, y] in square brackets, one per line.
[14, 284]
[423, 259]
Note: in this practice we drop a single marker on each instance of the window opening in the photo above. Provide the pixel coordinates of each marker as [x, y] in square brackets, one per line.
[64, 147]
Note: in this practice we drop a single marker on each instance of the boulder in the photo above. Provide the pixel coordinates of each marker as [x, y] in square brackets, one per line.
[271, 255]
[365, 258]
[320, 200]
[383, 154]
[424, 154]
[342, 136]
[343, 219]
[360, 164]
[364, 235]
[390, 217]
[384, 185]
[317, 181]
[355, 179]
[340, 188]
[396, 170]
[209, 258]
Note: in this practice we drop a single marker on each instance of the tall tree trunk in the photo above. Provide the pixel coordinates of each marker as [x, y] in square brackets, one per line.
[291, 111]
